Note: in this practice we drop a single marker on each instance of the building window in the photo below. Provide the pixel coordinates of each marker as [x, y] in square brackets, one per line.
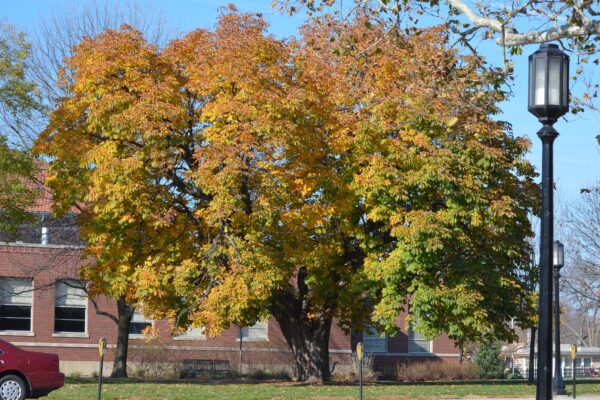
[417, 342]
[139, 323]
[45, 235]
[373, 341]
[15, 304]
[71, 307]
[258, 331]
[195, 333]
[192, 334]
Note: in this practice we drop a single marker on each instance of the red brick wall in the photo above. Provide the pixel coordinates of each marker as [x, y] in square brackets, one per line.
[47, 264]
[442, 348]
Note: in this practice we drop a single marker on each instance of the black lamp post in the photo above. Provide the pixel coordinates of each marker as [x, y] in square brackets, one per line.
[548, 101]
[558, 384]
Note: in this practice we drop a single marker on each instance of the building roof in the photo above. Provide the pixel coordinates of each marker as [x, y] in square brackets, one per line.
[566, 349]
[43, 203]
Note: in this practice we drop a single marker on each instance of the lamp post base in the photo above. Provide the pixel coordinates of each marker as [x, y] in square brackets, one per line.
[558, 386]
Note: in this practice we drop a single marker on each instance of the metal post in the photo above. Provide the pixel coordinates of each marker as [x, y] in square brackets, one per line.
[360, 377]
[558, 384]
[574, 381]
[359, 358]
[102, 351]
[544, 383]
[241, 337]
[531, 374]
[100, 378]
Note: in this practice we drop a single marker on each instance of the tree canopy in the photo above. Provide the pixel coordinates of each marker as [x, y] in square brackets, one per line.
[19, 108]
[349, 174]
[574, 25]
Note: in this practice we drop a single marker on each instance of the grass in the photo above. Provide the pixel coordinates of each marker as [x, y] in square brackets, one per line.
[83, 389]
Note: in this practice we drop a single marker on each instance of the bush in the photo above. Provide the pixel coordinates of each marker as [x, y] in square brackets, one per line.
[349, 373]
[489, 361]
[264, 373]
[516, 374]
[435, 371]
[152, 361]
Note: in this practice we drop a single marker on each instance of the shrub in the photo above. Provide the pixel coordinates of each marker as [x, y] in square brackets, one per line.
[489, 361]
[268, 374]
[349, 372]
[435, 371]
[152, 361]
[513, 375]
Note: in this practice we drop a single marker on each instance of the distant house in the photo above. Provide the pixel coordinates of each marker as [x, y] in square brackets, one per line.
[587, 362]
[44, 306]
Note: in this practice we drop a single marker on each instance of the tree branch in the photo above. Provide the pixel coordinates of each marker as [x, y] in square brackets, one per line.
[560, 32]
[104, 313]
[490, 23]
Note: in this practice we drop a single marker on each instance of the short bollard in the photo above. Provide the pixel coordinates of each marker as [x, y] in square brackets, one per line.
[573, 356]
[101, 351]
[359, 357]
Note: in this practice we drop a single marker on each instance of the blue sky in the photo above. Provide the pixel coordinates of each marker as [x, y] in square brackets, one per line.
[576, 152]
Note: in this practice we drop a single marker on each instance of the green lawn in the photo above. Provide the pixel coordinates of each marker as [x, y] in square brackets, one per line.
[85, 389]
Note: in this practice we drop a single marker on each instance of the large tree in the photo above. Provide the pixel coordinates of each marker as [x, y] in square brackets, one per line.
[510, 24]
[354, 171]
[20, 107]
[53, 41]
[580, 281]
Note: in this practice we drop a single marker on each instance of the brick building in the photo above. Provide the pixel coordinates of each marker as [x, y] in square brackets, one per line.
[44, 308]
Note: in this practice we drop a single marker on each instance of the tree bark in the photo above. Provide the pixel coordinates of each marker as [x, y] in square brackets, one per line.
[305, 331]
[309, 342]
[125, 313]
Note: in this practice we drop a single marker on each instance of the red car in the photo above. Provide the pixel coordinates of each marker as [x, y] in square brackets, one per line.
[27, 374]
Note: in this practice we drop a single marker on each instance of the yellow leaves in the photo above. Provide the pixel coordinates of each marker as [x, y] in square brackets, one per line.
[451, 122]
[213, 169]
[127, 219]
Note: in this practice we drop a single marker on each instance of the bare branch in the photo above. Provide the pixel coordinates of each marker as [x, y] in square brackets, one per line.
[113, 317]
[477, 20]
[560, 32]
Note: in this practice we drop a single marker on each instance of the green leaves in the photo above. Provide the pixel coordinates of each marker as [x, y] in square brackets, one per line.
[18, 186]
[19, 102]
[219, 167]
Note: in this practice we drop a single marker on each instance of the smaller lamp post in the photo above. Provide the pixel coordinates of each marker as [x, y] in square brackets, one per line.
[558, 384]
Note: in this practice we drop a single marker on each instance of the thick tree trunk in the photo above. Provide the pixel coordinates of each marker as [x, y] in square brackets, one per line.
[309, 342]
[125, 313]
[306, 332]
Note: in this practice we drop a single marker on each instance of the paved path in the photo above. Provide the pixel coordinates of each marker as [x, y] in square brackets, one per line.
[586, 397]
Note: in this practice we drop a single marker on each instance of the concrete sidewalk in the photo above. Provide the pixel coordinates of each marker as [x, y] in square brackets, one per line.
[584, 397]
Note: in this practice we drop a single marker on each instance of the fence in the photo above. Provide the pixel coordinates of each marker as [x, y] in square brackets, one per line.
[568, 373]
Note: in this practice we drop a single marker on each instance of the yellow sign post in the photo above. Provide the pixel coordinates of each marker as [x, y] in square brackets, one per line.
[359, 356]
[101, 352]
[573, 356]
[102, 347]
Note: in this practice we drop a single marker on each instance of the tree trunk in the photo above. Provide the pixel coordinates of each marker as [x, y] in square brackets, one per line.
[306, 331]
[125, 313]
[532, 355]
[309, 342]
[461, 353]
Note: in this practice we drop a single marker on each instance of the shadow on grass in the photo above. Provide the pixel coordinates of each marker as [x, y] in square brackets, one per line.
[242, 381]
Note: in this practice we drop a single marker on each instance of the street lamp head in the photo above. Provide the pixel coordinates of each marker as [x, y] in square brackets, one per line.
[548, 83]
[559, 254]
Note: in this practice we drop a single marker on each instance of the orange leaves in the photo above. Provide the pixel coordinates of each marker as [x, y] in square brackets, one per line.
[214, 168]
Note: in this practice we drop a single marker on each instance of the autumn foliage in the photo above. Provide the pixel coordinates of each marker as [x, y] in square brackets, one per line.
[349, 174]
